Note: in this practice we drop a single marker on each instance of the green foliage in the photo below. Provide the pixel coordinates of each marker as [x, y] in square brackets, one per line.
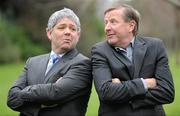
[15, 43]
[9, 52]
[92, 32]
[99, 27]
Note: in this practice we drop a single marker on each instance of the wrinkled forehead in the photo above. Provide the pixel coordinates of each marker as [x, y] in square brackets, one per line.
[114, 13]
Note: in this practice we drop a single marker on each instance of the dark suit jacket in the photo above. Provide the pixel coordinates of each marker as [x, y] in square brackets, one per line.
[68, 97]
[129, 98]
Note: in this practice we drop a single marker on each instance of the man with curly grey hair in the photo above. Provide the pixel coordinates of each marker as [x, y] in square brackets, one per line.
[58, 83]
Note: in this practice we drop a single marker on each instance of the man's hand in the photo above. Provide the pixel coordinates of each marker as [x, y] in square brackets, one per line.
[14, 99]
[59, 79]
[151, 83]
[116, 80]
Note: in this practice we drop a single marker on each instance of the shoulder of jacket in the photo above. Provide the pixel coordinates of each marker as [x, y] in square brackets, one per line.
[100, 44]
[80, 56]
[38, 57]
[150, 39]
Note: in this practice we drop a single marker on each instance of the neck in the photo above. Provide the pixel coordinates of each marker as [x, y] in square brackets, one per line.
[58, 51]
[125, 42]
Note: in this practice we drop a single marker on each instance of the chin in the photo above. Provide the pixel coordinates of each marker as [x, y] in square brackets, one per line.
[111, 42]
[66, 48]
[67, 45]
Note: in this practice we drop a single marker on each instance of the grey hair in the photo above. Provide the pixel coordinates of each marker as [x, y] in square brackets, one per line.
[58, 15]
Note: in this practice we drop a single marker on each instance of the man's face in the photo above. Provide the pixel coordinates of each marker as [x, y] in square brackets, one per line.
[64, 35]
[116, 29]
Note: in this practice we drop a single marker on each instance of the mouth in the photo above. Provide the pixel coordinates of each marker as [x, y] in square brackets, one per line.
[110, 35]
[67, 41]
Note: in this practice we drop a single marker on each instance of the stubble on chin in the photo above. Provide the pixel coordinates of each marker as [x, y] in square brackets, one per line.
[110, 42]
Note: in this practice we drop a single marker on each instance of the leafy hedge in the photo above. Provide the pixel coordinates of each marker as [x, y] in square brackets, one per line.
[15, 44]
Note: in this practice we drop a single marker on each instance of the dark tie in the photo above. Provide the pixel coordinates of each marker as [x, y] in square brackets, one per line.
[122, 51]
[127, 52]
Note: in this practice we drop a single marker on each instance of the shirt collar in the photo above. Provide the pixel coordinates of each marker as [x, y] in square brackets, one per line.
[53, 53]
[124, 49]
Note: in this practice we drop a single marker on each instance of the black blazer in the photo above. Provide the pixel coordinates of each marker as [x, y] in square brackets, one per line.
[129, 98]
[68, 97]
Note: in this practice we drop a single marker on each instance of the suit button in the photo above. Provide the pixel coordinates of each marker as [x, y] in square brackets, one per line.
[130, 102]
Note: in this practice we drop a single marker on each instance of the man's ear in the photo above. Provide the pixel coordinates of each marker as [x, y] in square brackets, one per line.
[48, 33]
[132, 25]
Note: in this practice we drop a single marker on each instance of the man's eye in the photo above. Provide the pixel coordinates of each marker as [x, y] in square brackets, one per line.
[61, 27]
[113, 21]
[73, 29]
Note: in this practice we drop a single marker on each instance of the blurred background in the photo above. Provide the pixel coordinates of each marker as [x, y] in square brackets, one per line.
[22, 34]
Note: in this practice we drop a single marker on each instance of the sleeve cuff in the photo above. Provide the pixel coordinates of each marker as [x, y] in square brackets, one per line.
[145, 85]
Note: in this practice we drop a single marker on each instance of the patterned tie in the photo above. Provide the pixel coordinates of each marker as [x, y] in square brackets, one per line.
[53, 59]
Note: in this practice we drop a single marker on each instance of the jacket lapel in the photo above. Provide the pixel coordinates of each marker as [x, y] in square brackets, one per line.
[60, 65]
[138, 55]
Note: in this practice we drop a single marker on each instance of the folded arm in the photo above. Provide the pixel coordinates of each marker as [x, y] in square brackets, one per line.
[14, 100]
[74, 83]
[106, 89]
[163, 93]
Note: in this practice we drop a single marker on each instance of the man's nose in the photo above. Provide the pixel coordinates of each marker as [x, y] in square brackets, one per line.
[67, 31]
[107, 27]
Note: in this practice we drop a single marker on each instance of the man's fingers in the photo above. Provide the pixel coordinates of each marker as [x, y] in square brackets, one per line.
[116, 80]
[59, 79]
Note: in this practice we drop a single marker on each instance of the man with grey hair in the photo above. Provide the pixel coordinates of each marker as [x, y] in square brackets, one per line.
[58, 83]
[131, 73]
